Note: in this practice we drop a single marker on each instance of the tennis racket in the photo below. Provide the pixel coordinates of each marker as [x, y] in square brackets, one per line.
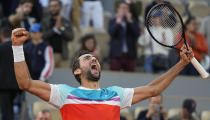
[166, 27]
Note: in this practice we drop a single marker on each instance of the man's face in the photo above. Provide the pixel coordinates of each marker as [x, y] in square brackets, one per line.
[90, 44]
[55, 8]
[192, 26]
[36, 35]
[123, 9]
[90, 67]
[27, 8]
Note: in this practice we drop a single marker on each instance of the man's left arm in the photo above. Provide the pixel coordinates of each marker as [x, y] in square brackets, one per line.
[157, 86]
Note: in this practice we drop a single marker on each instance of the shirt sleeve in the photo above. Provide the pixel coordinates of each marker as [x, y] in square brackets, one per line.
[126, 96]
[59, 94]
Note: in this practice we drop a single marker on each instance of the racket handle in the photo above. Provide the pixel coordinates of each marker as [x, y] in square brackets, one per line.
[199, 68]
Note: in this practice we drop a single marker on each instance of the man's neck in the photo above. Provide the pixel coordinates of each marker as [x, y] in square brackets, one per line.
[90, 84]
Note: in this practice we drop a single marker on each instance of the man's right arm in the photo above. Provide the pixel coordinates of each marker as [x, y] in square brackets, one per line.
[25, 82]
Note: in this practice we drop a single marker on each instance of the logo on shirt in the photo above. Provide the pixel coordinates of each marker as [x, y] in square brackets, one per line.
[39, 52]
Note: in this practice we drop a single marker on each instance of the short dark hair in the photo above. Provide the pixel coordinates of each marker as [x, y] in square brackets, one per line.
[25, 1]
[118, 3]
[189, 19]
[59, 2]
[85, 38]
[190, 105]
[6, 32]
[76, 64]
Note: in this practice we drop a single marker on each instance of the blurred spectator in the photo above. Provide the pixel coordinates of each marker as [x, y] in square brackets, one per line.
[196, 41]
[8, 87]
[21, 18]
[156, 110]
[43, 115]
[67, 7]
[93, 14]
[89, 44]
[205, 30]
[124, 32]
[148, 7]
[76, 13]
[156, 56]
[134, 5]
[57, 31]
[40, 54]
[188, 107]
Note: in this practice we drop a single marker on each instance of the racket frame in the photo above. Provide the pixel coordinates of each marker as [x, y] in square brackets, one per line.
[182, 23]
[195, 63]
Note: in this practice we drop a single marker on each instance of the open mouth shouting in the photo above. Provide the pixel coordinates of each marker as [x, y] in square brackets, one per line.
[94, 69]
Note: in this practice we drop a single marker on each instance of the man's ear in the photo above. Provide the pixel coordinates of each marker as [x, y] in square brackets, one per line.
[78, 71]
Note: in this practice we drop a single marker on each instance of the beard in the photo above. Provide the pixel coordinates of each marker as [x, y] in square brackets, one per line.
[55, 14]
[93, 77]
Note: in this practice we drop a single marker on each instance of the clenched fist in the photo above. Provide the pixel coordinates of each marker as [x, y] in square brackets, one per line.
[19, 36]
[186, 55]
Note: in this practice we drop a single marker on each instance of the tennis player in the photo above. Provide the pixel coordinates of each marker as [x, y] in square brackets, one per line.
[89, 101]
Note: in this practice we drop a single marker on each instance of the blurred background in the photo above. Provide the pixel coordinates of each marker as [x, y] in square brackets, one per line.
[114, 31]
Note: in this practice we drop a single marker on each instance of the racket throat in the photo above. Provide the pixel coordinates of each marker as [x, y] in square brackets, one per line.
[186, 45]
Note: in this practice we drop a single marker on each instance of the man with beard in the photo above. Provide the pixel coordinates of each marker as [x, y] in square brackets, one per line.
[57, 31]
[89, 101]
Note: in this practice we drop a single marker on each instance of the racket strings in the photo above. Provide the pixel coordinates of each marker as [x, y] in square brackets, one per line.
[164, 25]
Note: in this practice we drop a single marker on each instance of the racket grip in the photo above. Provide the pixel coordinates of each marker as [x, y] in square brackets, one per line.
[199, 68]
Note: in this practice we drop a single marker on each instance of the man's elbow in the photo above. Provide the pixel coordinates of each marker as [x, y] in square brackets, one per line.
[24, 86]
[155, 91]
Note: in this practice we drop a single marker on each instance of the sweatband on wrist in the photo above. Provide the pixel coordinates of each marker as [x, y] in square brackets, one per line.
[18, 53]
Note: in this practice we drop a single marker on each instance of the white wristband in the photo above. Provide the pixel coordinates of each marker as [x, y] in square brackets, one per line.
[18, 53]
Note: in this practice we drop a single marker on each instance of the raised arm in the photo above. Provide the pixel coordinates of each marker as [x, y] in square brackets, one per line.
[160, 84]
[25, 82]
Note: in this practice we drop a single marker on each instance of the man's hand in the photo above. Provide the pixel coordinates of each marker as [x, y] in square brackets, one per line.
[19, 36]
[129, 16]
[150, 111]
[119, 17]
[58, 23]
[186, 55]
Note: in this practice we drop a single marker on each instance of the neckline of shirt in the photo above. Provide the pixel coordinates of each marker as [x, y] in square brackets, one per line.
[84, 88]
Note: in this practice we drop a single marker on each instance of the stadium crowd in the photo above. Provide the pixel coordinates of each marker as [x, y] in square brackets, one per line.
[60, 28]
